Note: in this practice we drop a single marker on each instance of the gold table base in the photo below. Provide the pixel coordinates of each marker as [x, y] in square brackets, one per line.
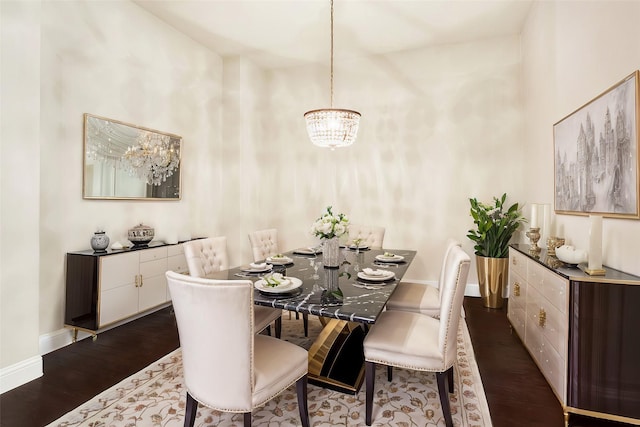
[336, 358]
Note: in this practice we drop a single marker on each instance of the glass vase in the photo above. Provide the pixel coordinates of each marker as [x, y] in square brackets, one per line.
[330, 252]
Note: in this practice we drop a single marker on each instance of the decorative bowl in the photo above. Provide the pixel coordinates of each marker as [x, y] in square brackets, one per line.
[141, 234]
[570, 255]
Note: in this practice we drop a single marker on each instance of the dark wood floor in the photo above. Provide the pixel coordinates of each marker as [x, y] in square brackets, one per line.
[516, 391]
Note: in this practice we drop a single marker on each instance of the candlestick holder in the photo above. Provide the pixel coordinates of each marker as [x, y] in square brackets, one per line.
[554, 242]
[534, 235]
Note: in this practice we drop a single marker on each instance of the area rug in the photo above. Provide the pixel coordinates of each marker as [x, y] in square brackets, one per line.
[155, 396]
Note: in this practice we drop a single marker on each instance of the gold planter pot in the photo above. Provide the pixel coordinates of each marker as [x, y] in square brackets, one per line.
[492, 278]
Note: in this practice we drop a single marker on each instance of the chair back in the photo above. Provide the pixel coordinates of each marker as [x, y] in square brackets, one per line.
[264, 243]
[452, 294]
[217, 360]
[371, 236]
[205, 256]
[450, 244]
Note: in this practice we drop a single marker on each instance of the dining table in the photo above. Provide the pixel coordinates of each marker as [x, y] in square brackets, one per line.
[346, 299]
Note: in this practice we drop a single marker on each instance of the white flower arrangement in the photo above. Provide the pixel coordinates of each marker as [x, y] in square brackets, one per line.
[330, 225]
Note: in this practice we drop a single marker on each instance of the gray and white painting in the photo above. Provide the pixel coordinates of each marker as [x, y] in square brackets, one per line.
[596, 159]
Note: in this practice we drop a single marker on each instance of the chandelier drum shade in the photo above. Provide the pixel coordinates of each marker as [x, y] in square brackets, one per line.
[332, 127]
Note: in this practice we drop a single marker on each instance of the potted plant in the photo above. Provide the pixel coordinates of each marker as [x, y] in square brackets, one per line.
[495, 226]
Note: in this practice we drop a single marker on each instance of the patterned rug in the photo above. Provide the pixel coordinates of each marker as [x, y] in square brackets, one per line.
[155, 396]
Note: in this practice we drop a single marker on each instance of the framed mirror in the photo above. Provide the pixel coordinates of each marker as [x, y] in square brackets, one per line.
[125, 161]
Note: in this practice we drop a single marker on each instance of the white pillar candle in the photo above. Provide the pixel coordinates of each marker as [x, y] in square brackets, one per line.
[546, 224]
[534, 216]
[595, 242]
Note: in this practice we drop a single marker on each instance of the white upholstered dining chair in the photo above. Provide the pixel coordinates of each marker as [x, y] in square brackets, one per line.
[419, 342]
[231, 369]
[372, 236]
[419, 297]
[206, 256]
[264, 243]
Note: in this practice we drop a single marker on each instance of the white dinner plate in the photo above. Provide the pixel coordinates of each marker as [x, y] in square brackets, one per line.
[279, 261]
[394, 258]
[381, 278]
[308, 251]
[292, 284]
[361, 247]
[251, 269]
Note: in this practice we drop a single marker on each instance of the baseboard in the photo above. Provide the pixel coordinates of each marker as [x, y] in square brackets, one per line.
[471, 290]
[58, 339]
[20, 373]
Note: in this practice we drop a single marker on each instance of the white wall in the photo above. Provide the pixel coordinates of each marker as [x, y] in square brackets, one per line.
[439, 125]
[115, 60]
[19, 191]
[60, 60]
[572, 52]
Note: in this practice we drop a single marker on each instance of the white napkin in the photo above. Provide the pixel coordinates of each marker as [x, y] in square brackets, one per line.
[276, 279]
[372, 272]
[260, 266]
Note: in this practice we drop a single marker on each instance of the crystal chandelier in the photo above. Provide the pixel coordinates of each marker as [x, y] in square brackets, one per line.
[153, 159]
[332, 127]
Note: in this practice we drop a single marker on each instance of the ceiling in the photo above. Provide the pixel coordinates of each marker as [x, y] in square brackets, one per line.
[284, 33]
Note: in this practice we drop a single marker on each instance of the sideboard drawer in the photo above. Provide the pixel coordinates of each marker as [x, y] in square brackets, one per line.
[555, 329]
[535, 276]
[153, 254]
[178, 263]
[518, 263]
[175, 250]
[553, 368]
[153, 268]
[556, 290]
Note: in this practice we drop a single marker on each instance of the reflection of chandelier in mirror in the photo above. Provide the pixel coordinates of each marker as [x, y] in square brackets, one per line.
[153, 159]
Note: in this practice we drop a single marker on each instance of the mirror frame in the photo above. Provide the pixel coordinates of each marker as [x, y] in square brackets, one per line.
[86, 117]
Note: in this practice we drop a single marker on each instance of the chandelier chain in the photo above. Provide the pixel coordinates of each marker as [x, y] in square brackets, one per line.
[331, 104]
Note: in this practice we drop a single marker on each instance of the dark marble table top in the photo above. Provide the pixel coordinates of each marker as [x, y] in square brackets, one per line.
[332, 292]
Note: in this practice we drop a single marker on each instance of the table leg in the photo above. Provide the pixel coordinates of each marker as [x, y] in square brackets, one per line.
[336, 358]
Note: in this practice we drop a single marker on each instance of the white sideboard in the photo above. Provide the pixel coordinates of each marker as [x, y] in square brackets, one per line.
[106, 288]
[582, 332]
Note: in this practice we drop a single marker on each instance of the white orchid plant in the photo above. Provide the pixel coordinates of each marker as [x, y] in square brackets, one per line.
[330, 225]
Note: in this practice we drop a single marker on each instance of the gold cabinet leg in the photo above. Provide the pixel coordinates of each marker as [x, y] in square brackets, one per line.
[566, 418]
[75, 335]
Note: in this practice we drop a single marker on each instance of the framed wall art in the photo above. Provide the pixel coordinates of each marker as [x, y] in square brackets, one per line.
[596, 155]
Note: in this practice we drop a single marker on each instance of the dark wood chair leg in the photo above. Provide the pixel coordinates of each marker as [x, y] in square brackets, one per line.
[450, 377]
[301, 387]
[305, 323]
[191, 411]
[389, 373]
[444, 397]
[278, 327]
[247, 419]
[370, 379]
